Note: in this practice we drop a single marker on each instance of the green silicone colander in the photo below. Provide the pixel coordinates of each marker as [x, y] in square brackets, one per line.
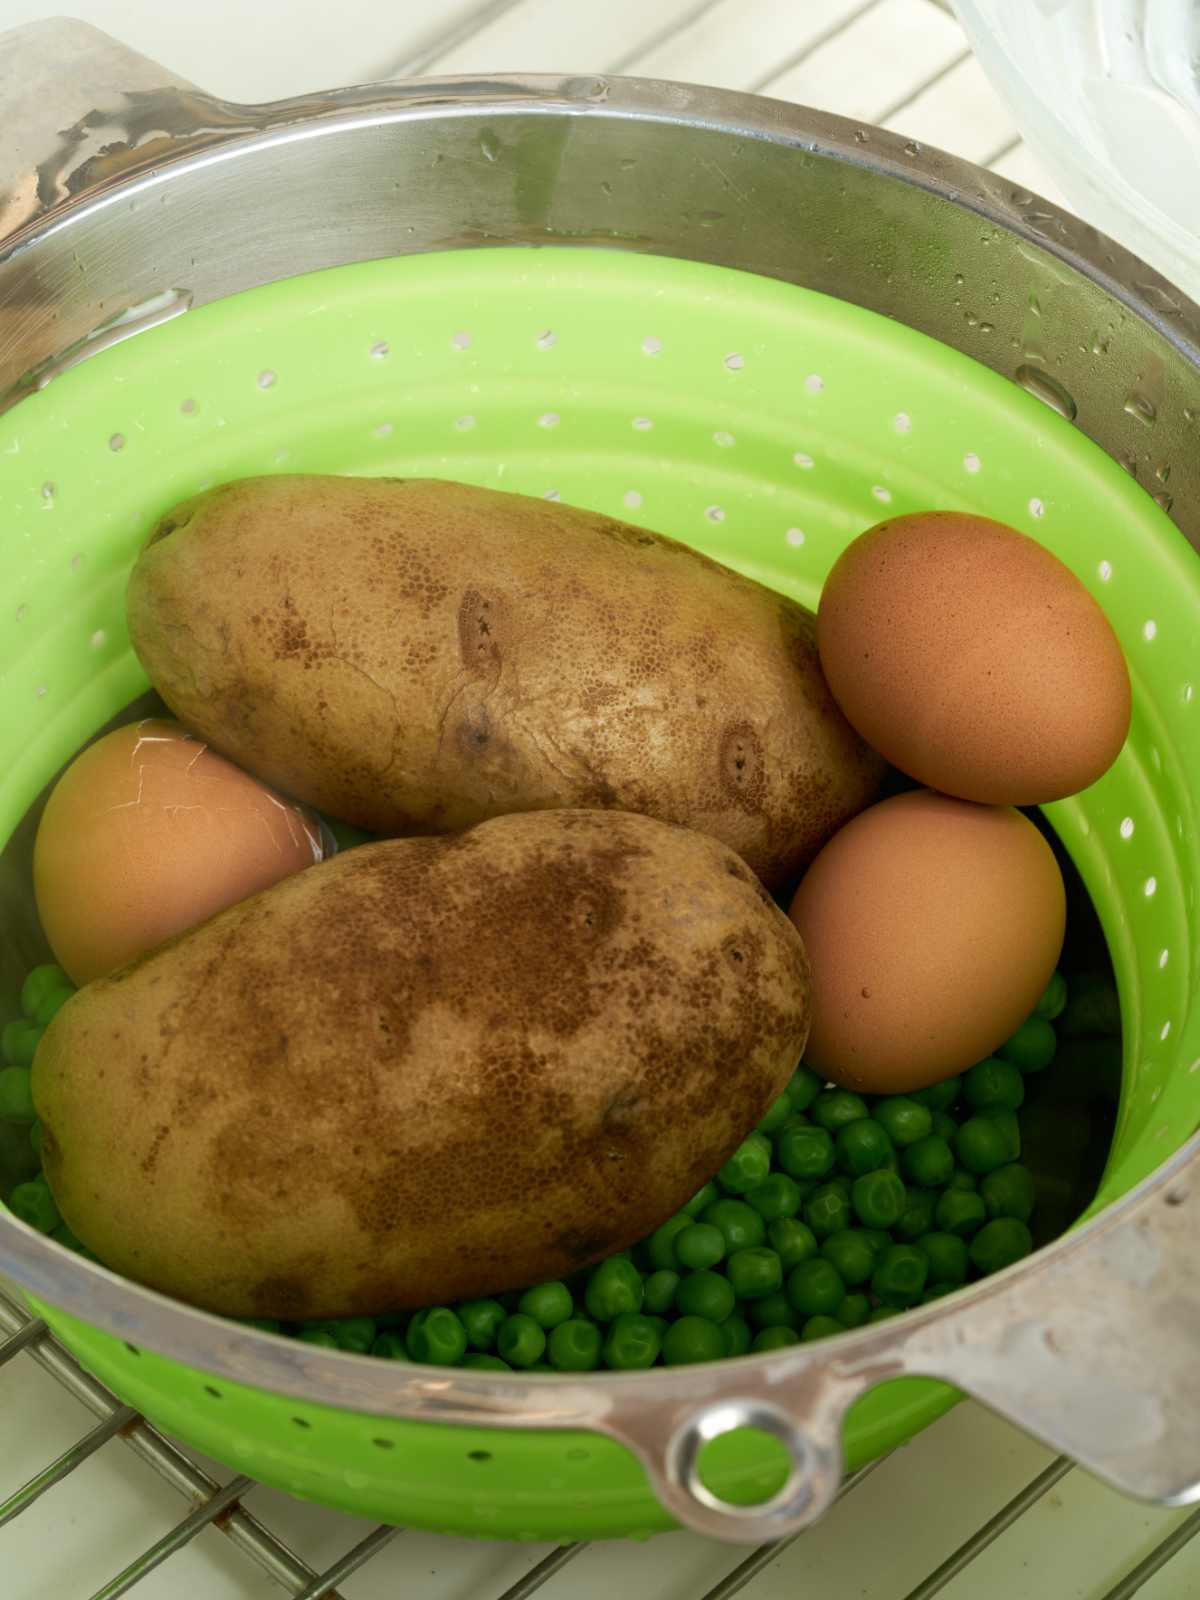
[763, 423]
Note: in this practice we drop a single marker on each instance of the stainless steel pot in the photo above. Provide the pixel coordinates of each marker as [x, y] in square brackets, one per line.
[126, 196]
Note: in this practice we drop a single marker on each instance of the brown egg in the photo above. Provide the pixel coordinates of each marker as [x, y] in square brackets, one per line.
[932, 926]
[973, 659]
[149, 832]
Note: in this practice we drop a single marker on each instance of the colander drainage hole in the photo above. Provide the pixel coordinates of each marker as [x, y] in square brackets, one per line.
[133, 1349]
[214, 1394]
[117, 441]
[301, 1422]
[48, 491]
[380, 349]
[461, 340]
[266, 378]
[802, 460]
[642, 424]
[734, 361]
[814, 383]
[546, 340]
[188, 407]
[479, 1455]
[384, 1444]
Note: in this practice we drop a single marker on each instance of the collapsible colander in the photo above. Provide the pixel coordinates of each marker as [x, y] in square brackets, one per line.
[754, 328]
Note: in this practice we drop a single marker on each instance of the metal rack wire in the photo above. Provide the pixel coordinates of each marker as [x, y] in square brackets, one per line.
[219, 1505]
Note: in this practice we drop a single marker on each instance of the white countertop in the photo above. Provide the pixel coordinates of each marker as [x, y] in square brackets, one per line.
[903, 63]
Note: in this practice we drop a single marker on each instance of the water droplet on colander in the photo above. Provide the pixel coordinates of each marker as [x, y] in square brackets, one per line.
[972, 319]
[605, 186]
[1035, 305]
[1047, 389]
[627, 165]
[987, 327]
[489, 145]
[1141, 407]
[1099, 344]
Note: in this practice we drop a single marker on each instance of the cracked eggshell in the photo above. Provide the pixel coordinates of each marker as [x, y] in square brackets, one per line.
[149, 832]
[932, 926]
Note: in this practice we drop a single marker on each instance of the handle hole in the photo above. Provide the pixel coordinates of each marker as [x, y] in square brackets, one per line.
[741, 1455]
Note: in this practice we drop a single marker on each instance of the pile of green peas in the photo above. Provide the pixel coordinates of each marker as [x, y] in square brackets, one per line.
[838, 1210]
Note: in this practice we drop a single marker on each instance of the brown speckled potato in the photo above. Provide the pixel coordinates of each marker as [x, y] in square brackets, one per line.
[417, 656]
[425, 1069]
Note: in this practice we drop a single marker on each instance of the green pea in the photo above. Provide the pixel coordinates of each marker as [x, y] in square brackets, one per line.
[740, 1224]
[862, 1146]
[699, 1245]
[481, 1320]
[51, 1003]
[945, 1127]
[854, 1310]
[484, 1363]
[658, 1292]
[917, 1216]
[321, 1337]
[349, 1333]
[815, 1287]
[851, 1254]
[19, 1041]
[633, 1343]
[33, 1203]
[900, 1275]
[520, 1341]
[748, 1165]
[1008, 1192]
[878, 1198]
[993, 1085]
[1010, 1126]
[821, 1327]
[437, 1336]
[882, 1313]
[835, 1108]
[1032, 1048]
[574, 1346]
[660, 1246]
[705, 1294]
[960, 1211]
[737, 1335]
[776, 1196]
[792, 1241]
[905, 1119]
[547, 1303]
[692, 1339]
[804, 1088]
[939, 1096]
[754, 1273]
[999, 1243]
[936, 1291]
[16, 1094]
[805, 1152]
[776, 1115]
[702, 1198]
[981, 1145]
[947, 1256]
[41, 983]
[928, 1162]
[772, 1311]
[828, 1210]
[1092, 1008]
[1054, 999]
[614, 1286]
[963, 1180]
[877, 1238]
[774, 1338]
[796, 1120]
[661, 1324]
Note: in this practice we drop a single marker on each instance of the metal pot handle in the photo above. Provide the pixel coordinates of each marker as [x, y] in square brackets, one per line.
[1091, 1346]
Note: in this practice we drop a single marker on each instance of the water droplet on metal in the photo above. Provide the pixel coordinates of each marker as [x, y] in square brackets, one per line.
[1158, 295]
[972, 319]
[1163, 500]
[1022, 197]
[1163, 472]
[1048, 390]
[1130, 465]
[912, 148]
[605, 186]
[489, 145]
[1190, 414]
[987, 327]
[595, 89]
[1142, 407]
[627, 165]
[1099, 344]
[861, 136]
[959, 279]
[1035, 305]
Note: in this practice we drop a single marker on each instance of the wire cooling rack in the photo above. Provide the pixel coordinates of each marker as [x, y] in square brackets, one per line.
[221, 1505]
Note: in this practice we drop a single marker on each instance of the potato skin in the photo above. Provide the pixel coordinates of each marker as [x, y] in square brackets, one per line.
[425, 1069]
[417, 656]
